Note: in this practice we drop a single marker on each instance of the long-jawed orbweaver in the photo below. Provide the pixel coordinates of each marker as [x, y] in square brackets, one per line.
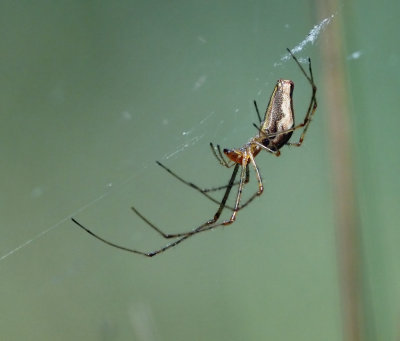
[274, 132]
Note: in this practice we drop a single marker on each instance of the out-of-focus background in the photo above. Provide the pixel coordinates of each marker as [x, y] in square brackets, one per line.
[92, 93]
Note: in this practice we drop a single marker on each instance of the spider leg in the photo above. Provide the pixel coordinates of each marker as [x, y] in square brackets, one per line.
[197, 188]
[108, 242]
[258, 175]
[235, 210]
[305, 124]
[258, 128]
[239, 194]
[147, 254]
[210, 224]
[249, 200]
[313, 102]
[166, 235]
[269, 150]
[220, 157]
[244, 178]
[214, 189]
[217, 214]
[194, 186]
[257, 111]
[259, 117]
[207, 227]
[309, 77]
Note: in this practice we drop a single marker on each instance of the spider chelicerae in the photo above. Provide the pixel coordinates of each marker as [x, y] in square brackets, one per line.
[274, 132]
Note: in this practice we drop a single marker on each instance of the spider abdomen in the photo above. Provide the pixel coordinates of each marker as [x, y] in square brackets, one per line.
[279, 116]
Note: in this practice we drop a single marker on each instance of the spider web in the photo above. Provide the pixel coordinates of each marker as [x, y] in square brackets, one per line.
[193, 136]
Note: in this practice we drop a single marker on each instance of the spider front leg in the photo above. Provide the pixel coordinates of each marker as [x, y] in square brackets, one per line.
[209, 225]
[147, 254]
[220, 156]
[197, 188]
[183, 236]
[217, 214]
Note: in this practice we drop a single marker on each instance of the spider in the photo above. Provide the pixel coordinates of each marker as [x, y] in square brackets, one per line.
[274, 132]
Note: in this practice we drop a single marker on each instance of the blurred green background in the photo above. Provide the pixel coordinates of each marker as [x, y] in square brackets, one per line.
[93, 92]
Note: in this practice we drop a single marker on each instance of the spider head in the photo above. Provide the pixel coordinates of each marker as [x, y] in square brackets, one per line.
[234, 154]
